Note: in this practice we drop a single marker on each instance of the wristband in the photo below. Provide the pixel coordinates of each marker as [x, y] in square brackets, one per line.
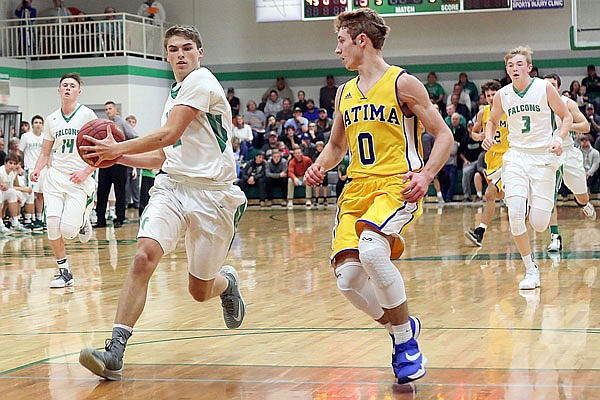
[559, 140]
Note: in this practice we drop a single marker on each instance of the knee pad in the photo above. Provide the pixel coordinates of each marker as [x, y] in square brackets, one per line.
[516, 214]
[68, 231]
[354, 283]
[374, 252]
[539, 219]
[53, 226]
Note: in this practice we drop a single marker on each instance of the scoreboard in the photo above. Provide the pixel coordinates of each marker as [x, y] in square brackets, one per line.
[328, 9]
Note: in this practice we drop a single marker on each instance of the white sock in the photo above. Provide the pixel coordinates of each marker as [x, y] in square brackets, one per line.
[27, 217]
[482, 225]
[529, 264]
[14, 221]
[39, 216]
[439, 194]
[402, 333]
[478, 194]
[63, 263]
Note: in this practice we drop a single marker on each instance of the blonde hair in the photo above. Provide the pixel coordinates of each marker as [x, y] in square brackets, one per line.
[522, 50]
[363, 20]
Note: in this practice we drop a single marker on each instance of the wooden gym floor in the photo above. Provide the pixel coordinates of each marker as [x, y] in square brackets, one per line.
[301, 339]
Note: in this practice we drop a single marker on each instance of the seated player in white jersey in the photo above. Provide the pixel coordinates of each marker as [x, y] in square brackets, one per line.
[13, 194]
[31, 145]
[195, 196]
[530, 164]
[571, 172]
[67, 185]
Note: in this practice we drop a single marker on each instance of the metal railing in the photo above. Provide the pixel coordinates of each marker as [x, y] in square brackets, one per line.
[80, 36]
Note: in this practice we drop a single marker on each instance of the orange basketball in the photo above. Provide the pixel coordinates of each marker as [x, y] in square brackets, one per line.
[96, 128]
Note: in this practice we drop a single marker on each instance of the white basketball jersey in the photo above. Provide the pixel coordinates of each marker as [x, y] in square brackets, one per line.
[204, 150]
[8, 178]
[529, 117]
[63, 130]
[31, 145]
[569, 140]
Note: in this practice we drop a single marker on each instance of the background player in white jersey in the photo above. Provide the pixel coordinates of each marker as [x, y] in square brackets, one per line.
[31, 145]
[195, 196]
[571, 171]
[13, 193]
[530, 164]
[67, 185]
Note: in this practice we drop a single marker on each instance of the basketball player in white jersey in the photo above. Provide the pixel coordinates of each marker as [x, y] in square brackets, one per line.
[572, 171]
[67, 185]
[195, 197]
[31, 145]
[530, 164]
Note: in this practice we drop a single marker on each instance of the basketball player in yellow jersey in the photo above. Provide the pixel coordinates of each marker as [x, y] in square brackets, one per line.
[493, 161]
[376, 116]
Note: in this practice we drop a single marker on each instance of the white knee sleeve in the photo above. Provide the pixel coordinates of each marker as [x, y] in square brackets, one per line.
[539, 219]
[374, 251]
[53, 226]
[516, 214]
[68, 231]
[355, 285]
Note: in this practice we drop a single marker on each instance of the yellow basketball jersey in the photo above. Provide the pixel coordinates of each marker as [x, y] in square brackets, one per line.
[383, 140]
[500, 145]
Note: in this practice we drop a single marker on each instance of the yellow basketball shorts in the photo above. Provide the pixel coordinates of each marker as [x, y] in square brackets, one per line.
[493, 162]
[377, 202]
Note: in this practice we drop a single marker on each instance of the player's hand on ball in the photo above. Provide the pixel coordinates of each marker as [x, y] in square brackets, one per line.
[102, 149]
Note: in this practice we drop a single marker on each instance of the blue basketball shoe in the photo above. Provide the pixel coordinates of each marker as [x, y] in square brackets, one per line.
[408, 362]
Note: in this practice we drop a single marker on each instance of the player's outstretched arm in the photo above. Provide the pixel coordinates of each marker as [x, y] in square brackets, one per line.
[412, 93]
[179, 118]
[151, 160]
[580, 124]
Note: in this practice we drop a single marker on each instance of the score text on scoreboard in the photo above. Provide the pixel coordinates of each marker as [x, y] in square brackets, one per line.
[328, 9]
[324, 9]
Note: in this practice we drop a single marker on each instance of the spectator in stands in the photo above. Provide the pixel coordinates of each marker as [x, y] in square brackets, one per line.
[254, 174]
[25, 12]
[469, 151]
[311, 113]
[234, 102]
[2, 152]
[458, 131]
[447, 175]
[299, 123]
[463, 97]
[131, 120]
[342, 171]
[243, 132]
[591, 161]
[435, 90]
[14, 146]
[237, 156]
[257, 121]
[274, 103]
[460, 108]
[315, 135]
[154, 10]
[59, 10]
[505, 80]
[282, 90]
[297, 167]
[276, 173]
[289, 139]
[574, 90]
[470, 89]
[109, 30]
[284, 150]
[308, 148]
[271, 144]
[273, 125]
[25, 127]
[592, 84]
[301, 103]
[594, 120]
[324, 124]
[285, 114]
[535, 72]
[327, 95]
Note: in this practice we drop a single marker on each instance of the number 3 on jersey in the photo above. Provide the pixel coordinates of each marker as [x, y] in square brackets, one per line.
[366, 149]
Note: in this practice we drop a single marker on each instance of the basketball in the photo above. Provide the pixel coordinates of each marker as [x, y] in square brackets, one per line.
[96, 128]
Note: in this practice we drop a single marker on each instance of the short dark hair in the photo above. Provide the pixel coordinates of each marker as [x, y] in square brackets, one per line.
[491, 85]
[71, 75]
[555, 77]
[36, 117]
[12, 156]
[110, 102]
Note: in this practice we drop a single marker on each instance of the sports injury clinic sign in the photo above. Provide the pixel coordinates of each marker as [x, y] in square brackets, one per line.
[533, 4]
